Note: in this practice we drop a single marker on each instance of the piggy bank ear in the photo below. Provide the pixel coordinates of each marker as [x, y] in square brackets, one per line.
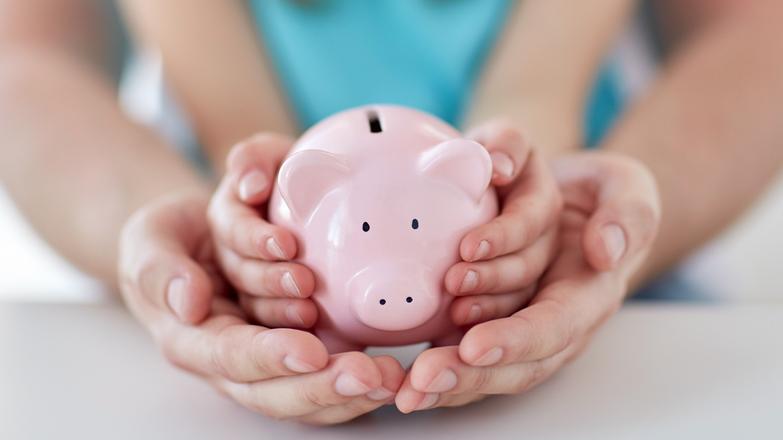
[307, 176]
[460, 162]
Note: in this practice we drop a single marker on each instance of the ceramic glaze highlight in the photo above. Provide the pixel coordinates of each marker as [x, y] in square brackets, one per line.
[379, 198]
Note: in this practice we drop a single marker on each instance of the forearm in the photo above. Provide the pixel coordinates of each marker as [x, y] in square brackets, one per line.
[225, 84]
[541, 71]
[710, 130]
[72, 161]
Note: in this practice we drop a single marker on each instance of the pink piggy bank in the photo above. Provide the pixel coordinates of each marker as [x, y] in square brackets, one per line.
[379, 198]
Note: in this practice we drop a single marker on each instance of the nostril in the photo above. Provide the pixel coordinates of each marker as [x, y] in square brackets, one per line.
[409, 299]
[382, 301]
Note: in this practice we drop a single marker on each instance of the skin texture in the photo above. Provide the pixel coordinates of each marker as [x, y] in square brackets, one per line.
[719, 98]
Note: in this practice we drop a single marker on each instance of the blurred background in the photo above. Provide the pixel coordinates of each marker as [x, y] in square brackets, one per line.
[743, 264]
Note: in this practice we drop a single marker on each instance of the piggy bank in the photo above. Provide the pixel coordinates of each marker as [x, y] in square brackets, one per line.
[379, 198]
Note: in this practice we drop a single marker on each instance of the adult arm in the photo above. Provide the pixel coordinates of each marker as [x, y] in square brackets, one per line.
[710, 128]
[71, 160]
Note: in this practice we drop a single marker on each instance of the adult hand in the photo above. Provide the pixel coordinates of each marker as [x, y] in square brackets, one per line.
[169, 281]
[606, 230]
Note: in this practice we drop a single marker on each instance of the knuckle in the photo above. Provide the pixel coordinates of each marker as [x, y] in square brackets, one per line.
[314, 397]
[565, 329]
[489, 279]
[499, 233]
[524, 326]
[224, 352]
[538, 374]
[236, 237]
[481, 379]
[526, 381]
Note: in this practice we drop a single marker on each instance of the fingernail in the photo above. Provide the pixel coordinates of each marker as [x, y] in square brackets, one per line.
[502, 164]
[379, 394]
[273, 248]
[469, 282]
[481, 251]
[293, 316]
[349, 386]
[176, 297]
[474, 314]
[491, 357]
[614, 240]
[444, 381]
[289, 284]
[427, 402]
[297, 365]
[252, 184]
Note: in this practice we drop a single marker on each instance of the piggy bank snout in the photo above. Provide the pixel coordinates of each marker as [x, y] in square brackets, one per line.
[394, 298]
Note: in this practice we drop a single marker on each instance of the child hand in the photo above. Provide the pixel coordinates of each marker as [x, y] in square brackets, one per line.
[504, 258]
[253, 253]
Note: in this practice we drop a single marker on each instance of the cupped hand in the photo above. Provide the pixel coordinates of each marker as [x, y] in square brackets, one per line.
[503, 259]
[169, 281]
[253, 253]
[607, 227]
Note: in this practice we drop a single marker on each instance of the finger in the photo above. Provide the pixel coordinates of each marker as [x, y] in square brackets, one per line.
[225, 346]
[173, 282]
[408, 399]
[469, 310]
[503, 274]
[296, 313]
[530, 208]
[393, 374]
[348, 376]
[627, 209]
[242, 229]
[559, 315]
[267, 279]
[418, 398]
[156, 264]
[507, 148]
[442, 371]
[252, 164]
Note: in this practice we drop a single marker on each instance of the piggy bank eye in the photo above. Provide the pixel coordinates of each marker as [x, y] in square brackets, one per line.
[365, 226]
[415, 223]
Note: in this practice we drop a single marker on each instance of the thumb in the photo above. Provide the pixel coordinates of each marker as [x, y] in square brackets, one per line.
[626, 210]
[157, 266]
[252, 164]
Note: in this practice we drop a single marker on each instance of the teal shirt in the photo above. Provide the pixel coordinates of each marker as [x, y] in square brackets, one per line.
[335, 54]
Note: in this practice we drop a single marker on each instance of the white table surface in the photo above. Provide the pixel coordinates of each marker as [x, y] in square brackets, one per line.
[654, 371]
